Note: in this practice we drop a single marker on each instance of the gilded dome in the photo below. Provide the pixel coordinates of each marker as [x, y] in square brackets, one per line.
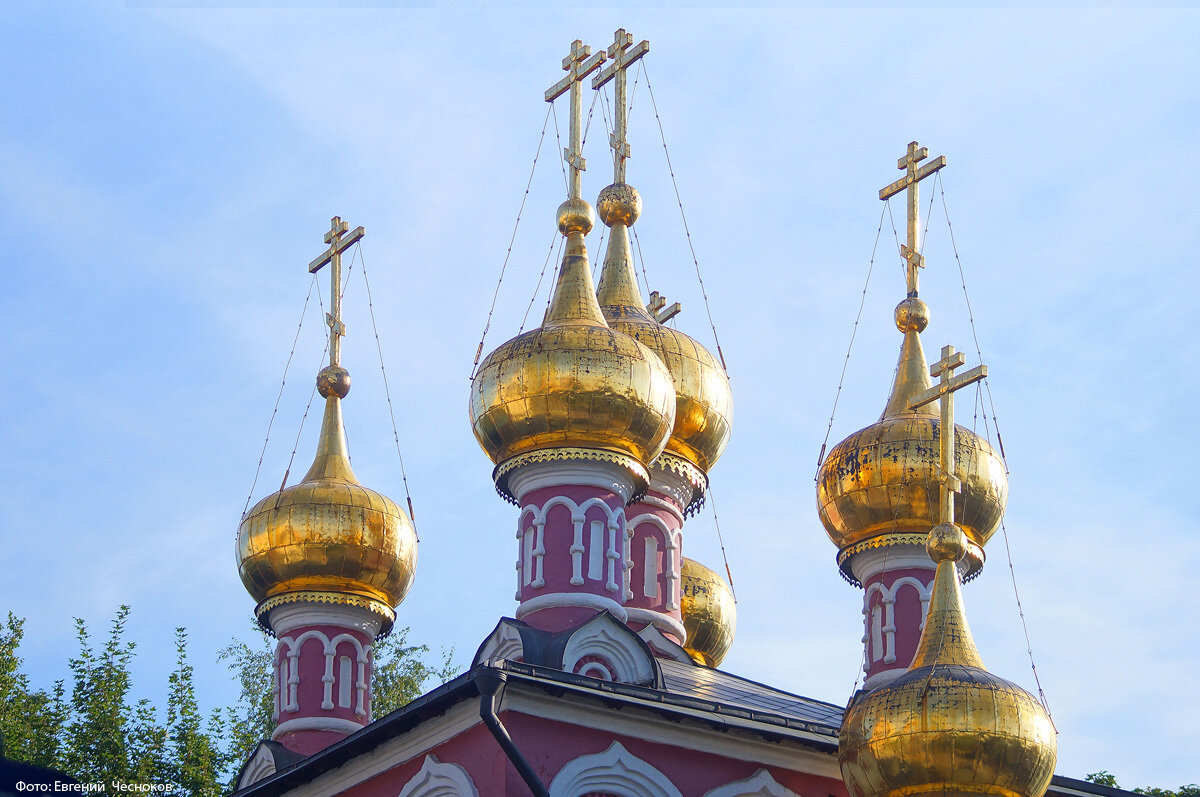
[328, 538]
[703, 399]
[573, 383]
[883, 479]
[947, 725]
[709, 613]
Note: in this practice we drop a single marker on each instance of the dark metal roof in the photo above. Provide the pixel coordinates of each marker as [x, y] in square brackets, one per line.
[722, 688]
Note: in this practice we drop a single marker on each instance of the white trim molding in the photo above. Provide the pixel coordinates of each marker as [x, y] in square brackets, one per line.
[571, 473]
[287, 617]
[616, 771]
[332, 724]
[437, 779]
[760, 784]
[663, 622]
[579, 600]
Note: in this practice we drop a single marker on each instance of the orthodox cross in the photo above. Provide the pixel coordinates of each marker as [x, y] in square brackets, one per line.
[622, 55]
[578, 64]
[909, 181]
[657, 307]
[944, 390]
[339, 241]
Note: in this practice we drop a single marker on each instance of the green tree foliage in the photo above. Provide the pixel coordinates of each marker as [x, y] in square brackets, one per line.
[31, 722]
[99, 733]
[1106, 778]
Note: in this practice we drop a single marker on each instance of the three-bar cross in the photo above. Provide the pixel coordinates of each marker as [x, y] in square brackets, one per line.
[909, 181]
[944, 390]
[339, 241]
[578, 64]
[622, 55]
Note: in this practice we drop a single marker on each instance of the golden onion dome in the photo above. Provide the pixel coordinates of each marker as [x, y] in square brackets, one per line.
[573, 388]
[882, 481]
[947, 725]
[709, 613]
[328, 538]
[703, 400]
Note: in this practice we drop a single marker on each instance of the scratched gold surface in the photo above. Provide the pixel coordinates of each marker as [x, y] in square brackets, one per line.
[709, 613]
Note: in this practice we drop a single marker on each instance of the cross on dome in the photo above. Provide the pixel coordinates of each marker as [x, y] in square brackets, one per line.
[622, 55]
[944, 390]
[908, 182]
[333, 257]
[578, 64]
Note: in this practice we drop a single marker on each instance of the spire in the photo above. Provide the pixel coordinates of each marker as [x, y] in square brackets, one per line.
[574, 300]
[619, 204]
[333, 382]
[912, 314]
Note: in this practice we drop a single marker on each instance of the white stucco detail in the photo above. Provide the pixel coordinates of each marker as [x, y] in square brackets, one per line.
[291, 647]
[437, 779]
[664, 645]
[880, 632]
[530, 558]
[760, 784]
[604, 639]
[260, 766]
[615, 771]
[505, 643]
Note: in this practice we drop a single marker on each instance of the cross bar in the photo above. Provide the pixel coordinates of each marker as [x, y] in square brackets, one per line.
[622, 59]
[906, 180]
[954, 383]
[337, 245]
[578, 66]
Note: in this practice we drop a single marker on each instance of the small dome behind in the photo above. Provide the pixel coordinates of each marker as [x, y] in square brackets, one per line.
[703, 399]
[709, 613]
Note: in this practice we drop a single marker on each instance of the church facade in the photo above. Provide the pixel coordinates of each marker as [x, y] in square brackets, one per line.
[603, 425]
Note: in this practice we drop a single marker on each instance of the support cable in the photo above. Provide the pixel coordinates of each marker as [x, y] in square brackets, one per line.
[987, 388]
[511, 240]
[279, 397]
[555, 240]
[717, 523]
[386, 390]
[683, 215]
[853, 334]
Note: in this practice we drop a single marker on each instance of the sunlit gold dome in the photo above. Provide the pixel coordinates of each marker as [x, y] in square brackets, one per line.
[573, 385]
[947, 725]
[709, 613]
[328, 538]
[703, 400]
[883, 479]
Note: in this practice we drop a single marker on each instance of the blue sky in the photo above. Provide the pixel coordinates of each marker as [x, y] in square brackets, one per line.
[168, 173]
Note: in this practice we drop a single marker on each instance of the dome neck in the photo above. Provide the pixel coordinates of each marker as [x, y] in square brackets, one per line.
[574, 299]
[333, 457]
[618, 292]
[912, 379]
[947, 637]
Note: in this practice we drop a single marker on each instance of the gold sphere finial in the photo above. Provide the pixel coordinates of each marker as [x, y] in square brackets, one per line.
[946, 543]
[333, 380]
[619, 203]
[912, 314]
[576, 215]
